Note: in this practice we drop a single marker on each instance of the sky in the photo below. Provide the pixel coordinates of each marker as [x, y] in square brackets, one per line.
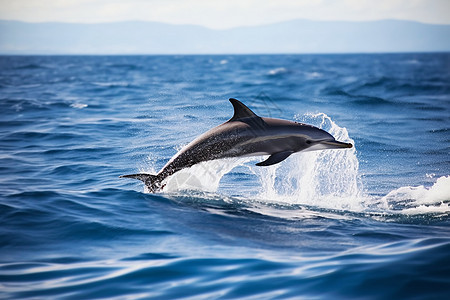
[223, 14]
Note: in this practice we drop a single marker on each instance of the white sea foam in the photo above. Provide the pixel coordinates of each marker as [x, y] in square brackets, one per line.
[420, 199]
[78, 105]
[112, 84]
[313, 75]
[277, 71]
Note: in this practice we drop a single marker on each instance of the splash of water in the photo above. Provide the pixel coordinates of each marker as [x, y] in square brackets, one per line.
[419, 199]
[326, 178]
[204, 176]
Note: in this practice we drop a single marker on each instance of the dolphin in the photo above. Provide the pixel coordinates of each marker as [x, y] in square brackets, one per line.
[245, 134]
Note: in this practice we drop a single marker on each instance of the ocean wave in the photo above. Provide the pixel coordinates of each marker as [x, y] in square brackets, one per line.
[358, 272]
[31, 66]
[370, 100]
[375, 83]
[113, 84]
[78, 105]
[124, 66]
[39, 136]
[277, 71]
[359, 99]
[22, 105]
[395, 87]
[313, 75]
[67, 216]
[419, 199]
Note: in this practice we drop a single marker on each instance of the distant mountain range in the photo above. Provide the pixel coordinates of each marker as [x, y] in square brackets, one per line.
[297, 36]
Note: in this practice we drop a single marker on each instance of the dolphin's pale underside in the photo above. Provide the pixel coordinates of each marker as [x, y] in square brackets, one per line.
[245, 134]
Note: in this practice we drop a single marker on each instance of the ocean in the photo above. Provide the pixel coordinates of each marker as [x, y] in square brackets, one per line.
[370, 222]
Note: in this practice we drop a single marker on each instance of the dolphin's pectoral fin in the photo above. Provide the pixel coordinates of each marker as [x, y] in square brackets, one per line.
[275, 158]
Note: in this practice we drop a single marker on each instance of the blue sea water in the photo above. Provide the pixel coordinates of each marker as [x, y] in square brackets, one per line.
[371, 222]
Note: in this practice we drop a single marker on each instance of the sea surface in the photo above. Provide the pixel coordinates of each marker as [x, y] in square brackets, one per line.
[371, 222]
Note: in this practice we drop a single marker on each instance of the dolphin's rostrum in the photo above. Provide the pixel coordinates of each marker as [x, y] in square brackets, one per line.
[245, 134]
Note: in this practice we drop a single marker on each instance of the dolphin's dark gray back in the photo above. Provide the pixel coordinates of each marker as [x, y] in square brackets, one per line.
[245, 134]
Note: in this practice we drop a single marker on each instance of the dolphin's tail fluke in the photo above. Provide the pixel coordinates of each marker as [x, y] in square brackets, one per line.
[153, 182]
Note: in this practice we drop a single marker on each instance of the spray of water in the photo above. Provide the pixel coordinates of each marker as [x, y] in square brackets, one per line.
[204, 176]
[419, 199]
[326, 178]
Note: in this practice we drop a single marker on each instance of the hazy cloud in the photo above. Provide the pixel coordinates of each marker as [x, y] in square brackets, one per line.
[223, 13]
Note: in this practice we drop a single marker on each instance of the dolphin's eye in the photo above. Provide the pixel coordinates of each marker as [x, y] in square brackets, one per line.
[308, 142]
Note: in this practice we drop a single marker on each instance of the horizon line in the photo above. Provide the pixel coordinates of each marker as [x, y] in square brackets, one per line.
[230, 28]
[229, 54]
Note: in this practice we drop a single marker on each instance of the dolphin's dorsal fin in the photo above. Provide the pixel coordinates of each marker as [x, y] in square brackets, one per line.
[241, 111]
